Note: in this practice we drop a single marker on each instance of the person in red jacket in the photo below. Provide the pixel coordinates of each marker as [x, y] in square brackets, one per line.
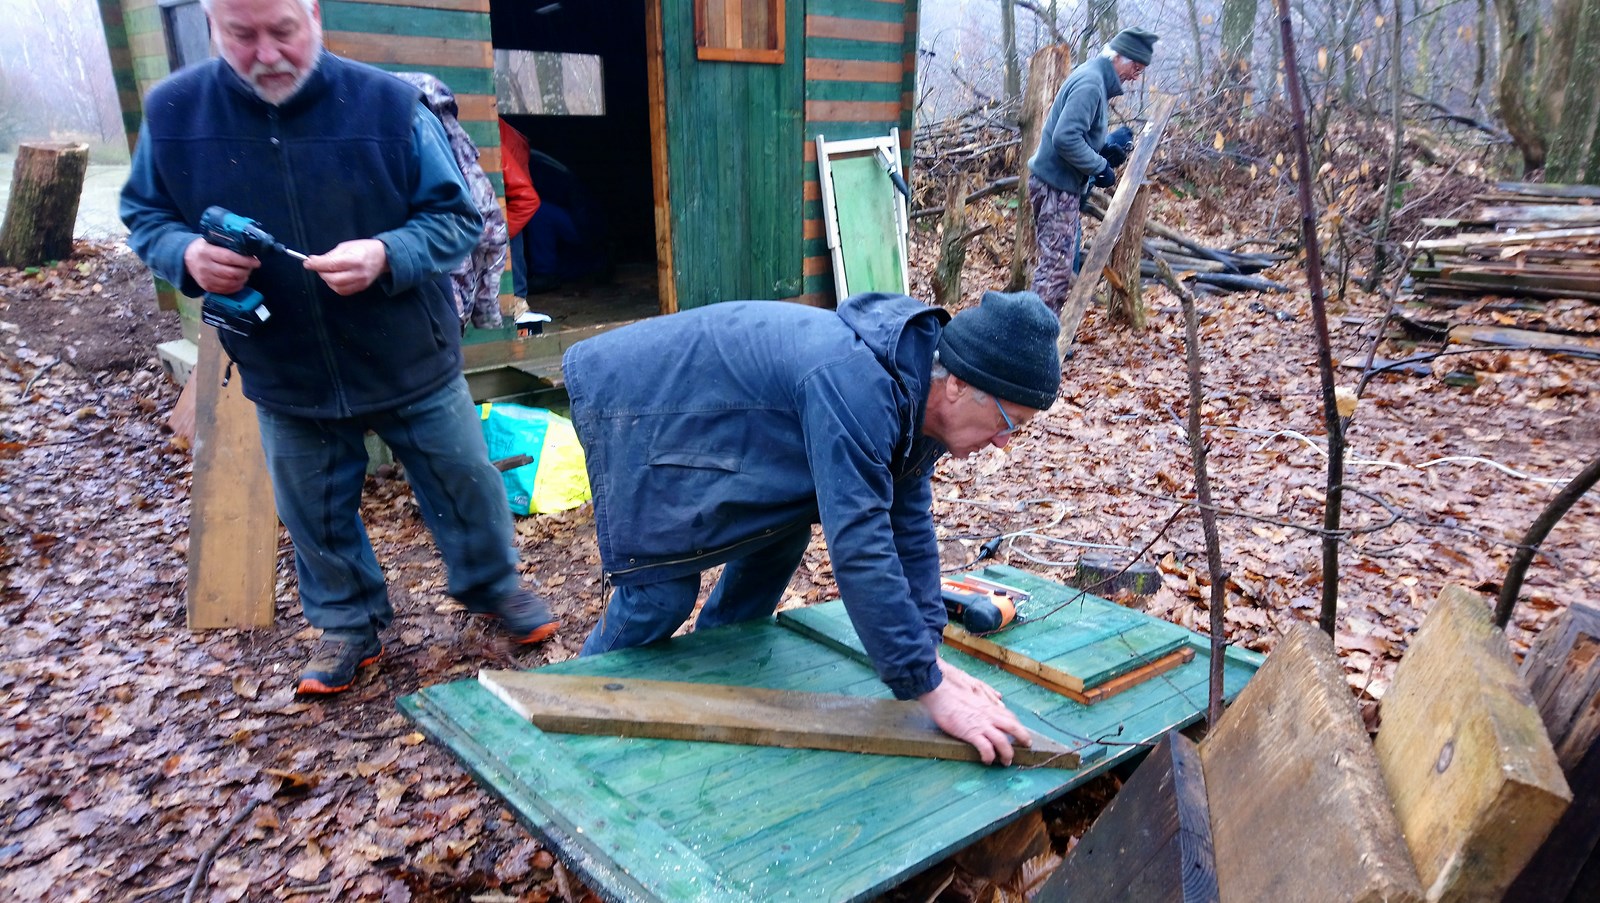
[522, 201]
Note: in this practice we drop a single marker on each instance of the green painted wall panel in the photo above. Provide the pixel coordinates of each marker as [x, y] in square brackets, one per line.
[872, 10]
[142, 21]
[840, 49]
[375, 18]
[461, 80]
[734, 148]
[873, 91]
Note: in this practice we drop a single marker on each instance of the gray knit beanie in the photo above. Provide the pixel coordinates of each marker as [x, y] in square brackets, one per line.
[1135, 44]
[1006, 346]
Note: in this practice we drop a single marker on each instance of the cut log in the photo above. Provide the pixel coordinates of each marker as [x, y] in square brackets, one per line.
[717, 713]
[1099, 255]
[1047, 69]
[1153, 843]
[1104, 574]
[45, 187]
[999, 856]
[1126, 304]
[1474, 781]
[233, 523]
[1298, 807]
[1563, 674]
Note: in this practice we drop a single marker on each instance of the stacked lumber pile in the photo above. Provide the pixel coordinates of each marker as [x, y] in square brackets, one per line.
[1288, 799]
[1525, 240]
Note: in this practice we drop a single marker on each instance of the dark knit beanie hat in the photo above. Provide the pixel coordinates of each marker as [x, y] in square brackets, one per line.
[1135, 44]
[1006, 346]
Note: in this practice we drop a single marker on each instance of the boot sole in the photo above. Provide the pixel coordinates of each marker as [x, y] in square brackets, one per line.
[539, 634]
[310, 686]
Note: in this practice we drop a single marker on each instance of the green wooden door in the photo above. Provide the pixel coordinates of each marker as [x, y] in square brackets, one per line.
[735, 139]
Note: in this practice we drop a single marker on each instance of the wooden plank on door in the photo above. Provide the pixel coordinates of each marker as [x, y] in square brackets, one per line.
[233, 524]
[721, 713]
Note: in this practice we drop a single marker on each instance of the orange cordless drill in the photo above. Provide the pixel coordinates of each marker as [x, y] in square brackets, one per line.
[978, 609]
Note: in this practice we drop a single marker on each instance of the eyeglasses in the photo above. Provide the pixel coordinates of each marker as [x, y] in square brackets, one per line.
[1010, 427]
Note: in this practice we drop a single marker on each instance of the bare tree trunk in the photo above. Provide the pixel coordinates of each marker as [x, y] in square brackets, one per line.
[1480, 72]
[1572, 145]
[1319, 315]
[1008, 39]
[1238, 45]
[45, 187]
[1046, 71]
[552, 84]
[1124, 302]
[1199, 43]
[952, 247]
[1397, 121]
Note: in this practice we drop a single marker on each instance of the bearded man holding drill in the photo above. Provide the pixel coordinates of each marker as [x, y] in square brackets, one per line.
[340, 160]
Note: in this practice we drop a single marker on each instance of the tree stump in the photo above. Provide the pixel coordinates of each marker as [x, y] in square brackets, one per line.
[1125, 303]
[952, 247]
[45, 187]
[1046, 71]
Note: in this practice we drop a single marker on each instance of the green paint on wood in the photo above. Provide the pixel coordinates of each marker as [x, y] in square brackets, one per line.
[734, 145]
[871, 10]
[409, 21]
[461, 80]
[142, 21]
[781, 824]
[868, 234]
[841, 49]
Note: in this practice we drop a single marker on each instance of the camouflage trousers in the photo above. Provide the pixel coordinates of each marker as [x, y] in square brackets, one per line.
[1057, 224]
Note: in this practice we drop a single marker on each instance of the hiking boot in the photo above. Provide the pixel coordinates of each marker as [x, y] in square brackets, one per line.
[332, 668]
[526, 617]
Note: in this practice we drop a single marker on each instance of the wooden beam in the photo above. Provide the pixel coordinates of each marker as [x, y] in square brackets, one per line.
[1116, 216]
[1068, 685]
[233, 524]
[1298, 806]
[660, 182]
[717, 713]
[1153, 843]
[1462, 242]
[1562, 670]
[1474, 781]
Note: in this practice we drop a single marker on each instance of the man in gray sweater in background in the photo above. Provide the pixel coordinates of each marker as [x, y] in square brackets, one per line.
[1075, 154]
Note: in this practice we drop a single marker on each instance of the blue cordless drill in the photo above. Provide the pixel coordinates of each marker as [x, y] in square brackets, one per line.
[242, 311]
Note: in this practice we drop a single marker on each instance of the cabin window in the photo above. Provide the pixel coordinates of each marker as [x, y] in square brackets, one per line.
[537, 83]
[188, 35]
[739, 31]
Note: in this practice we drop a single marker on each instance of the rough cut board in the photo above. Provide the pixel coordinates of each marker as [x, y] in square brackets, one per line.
[717, 713]
[1153, 843]
[1474, 780]
[648, 820]
[1298, 808]
[1147, 664]
[233, 523]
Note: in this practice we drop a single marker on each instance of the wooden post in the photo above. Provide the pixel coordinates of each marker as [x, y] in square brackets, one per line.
[1100, 252]
[1298, 807]
[1126, 303]
[233, 523]
[1153, 842]
[45, 187]
[952, 246]
[1563, 674]
[1046, 71]
[1474, 781]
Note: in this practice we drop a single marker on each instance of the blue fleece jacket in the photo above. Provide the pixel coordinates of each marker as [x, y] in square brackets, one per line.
[707, 430]
[352, 155]
[1069, 157]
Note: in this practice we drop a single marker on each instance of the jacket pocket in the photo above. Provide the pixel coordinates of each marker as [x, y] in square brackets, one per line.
[696, 460]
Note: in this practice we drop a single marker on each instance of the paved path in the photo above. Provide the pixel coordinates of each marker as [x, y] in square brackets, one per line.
[97, 208]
